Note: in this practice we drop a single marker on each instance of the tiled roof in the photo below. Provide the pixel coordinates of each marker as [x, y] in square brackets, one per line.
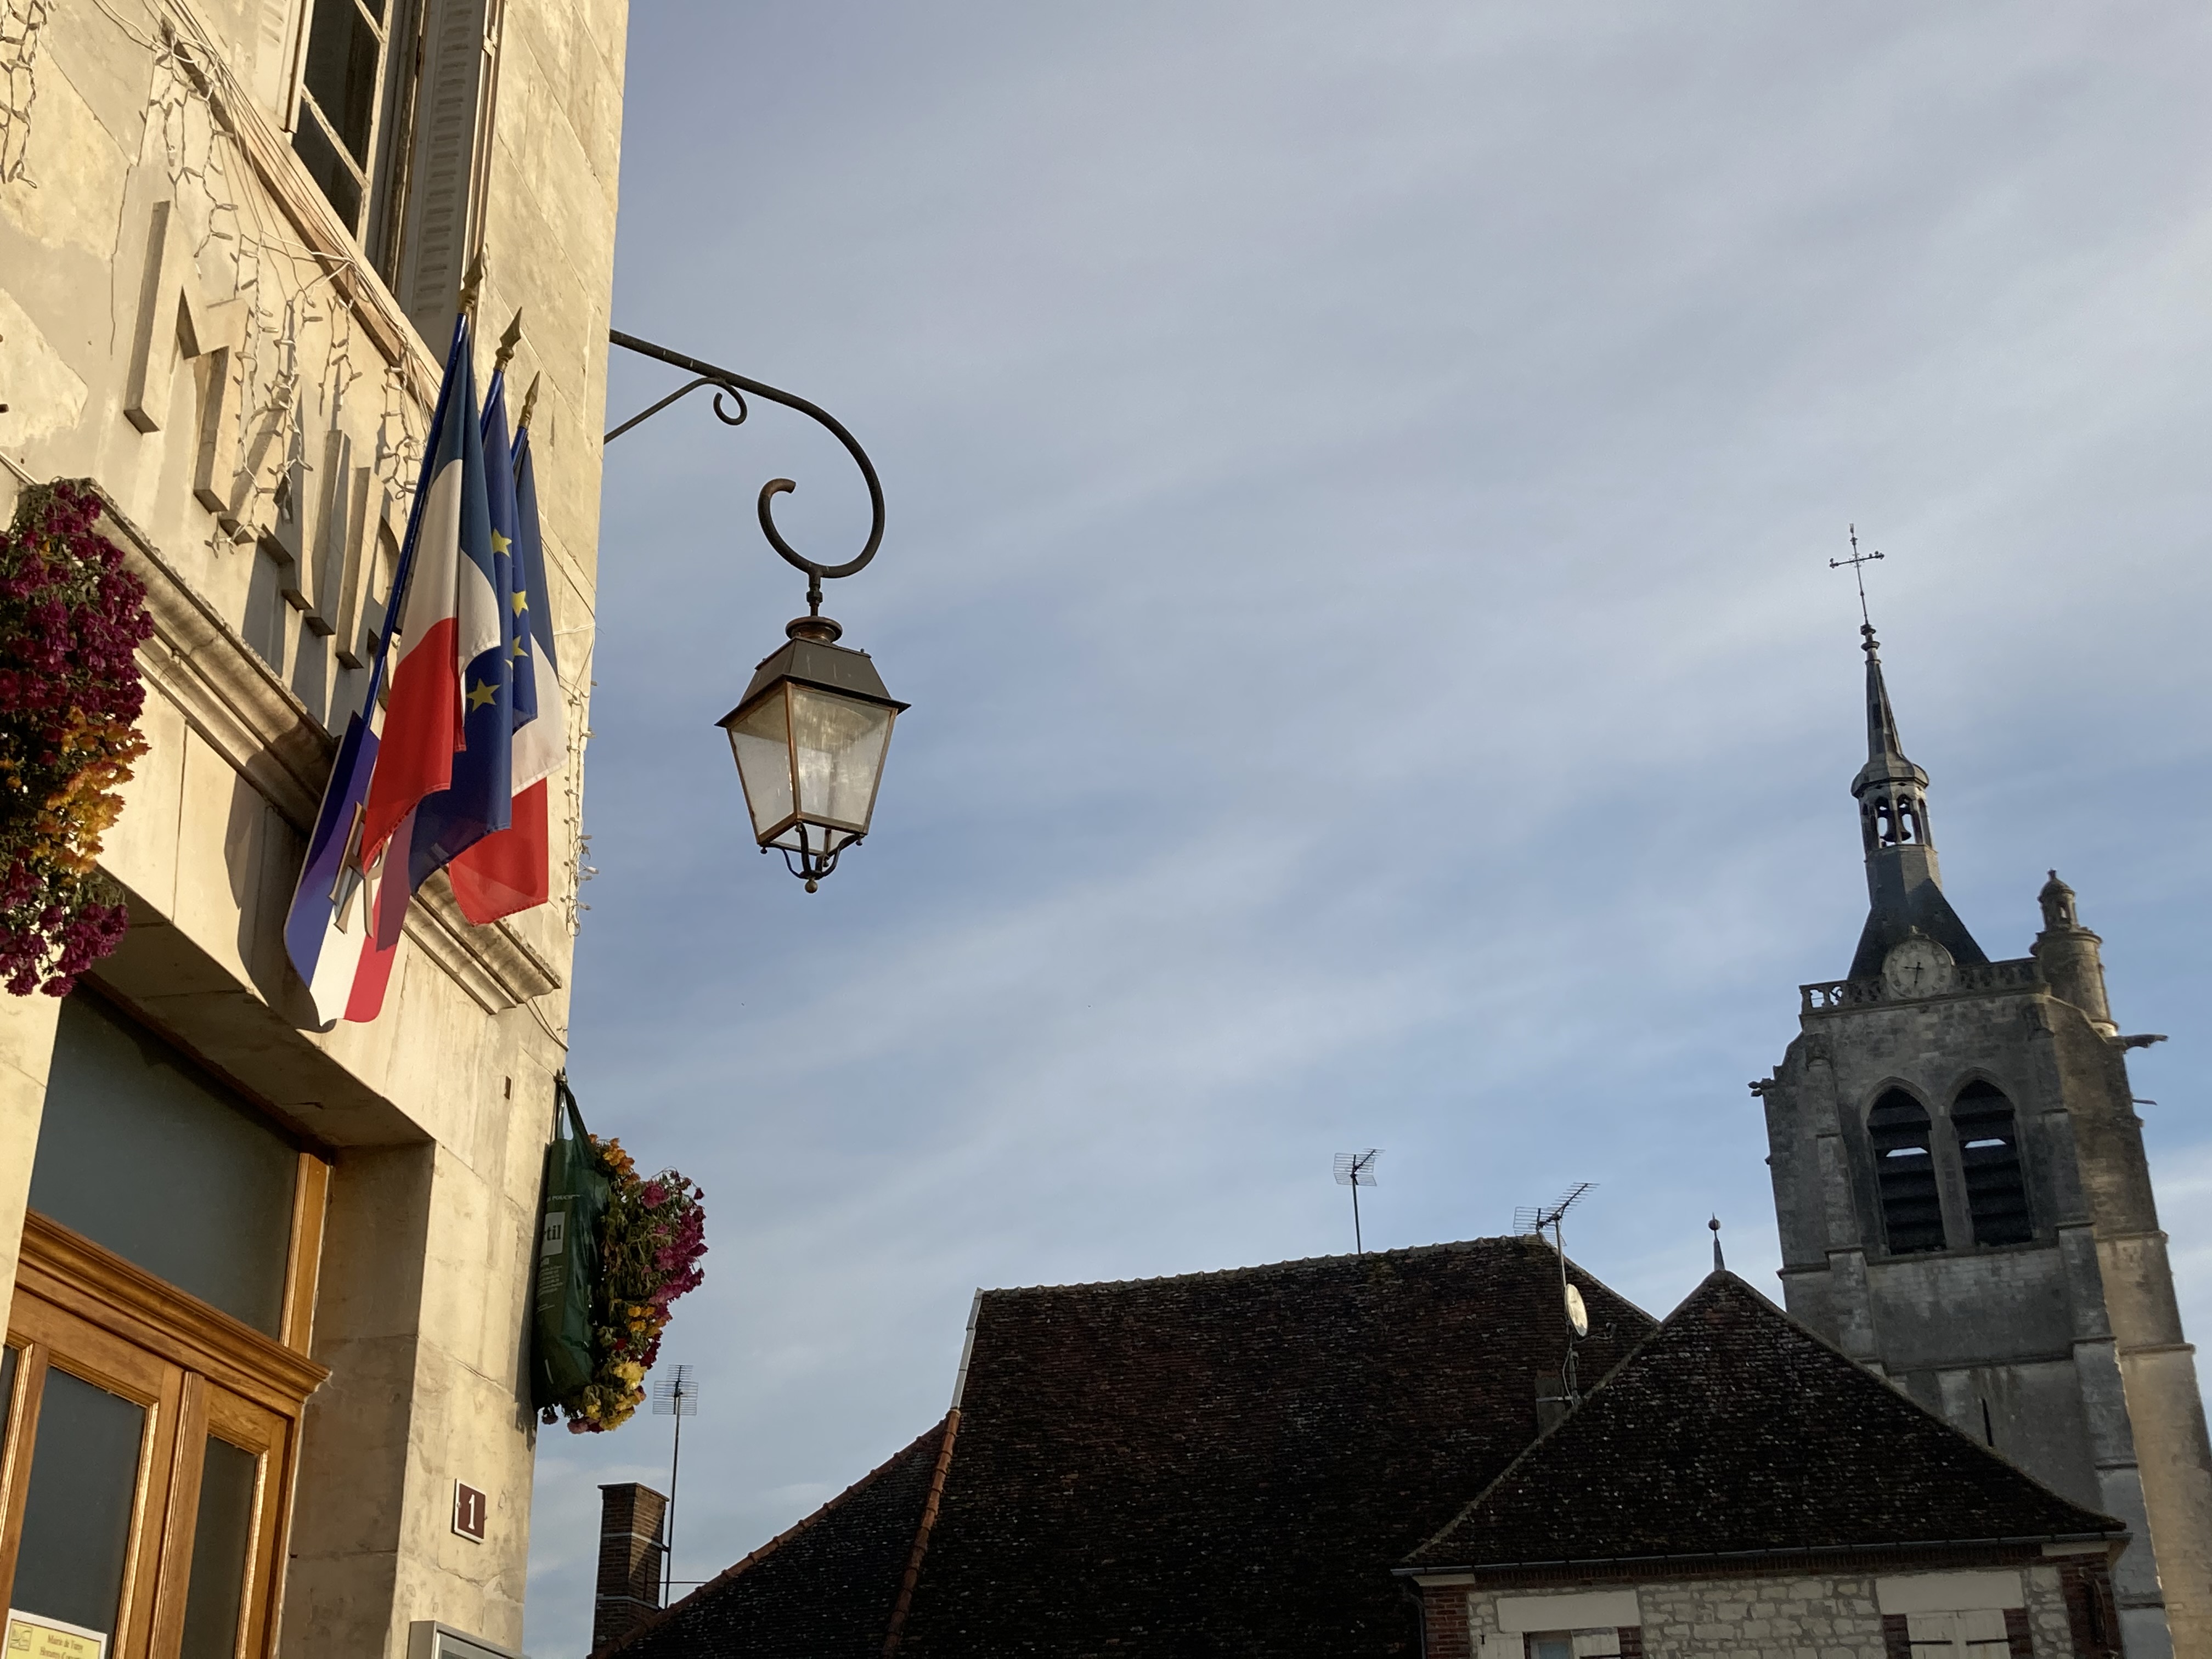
[822, 1590]
[1734, 1428]
[1229, 1463]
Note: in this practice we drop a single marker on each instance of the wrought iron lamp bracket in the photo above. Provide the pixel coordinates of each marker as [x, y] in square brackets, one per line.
[737, 386]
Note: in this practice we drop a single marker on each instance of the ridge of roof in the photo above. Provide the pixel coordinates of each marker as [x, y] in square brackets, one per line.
[1530, 1451]
[721, 1580]
[1464, 1246]
[1714, 1285]
[894, 1630]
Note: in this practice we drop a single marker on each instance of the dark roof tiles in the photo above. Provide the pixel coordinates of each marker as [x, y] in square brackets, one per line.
[1734, 1428]
[1227, 1462]
[822, 1590]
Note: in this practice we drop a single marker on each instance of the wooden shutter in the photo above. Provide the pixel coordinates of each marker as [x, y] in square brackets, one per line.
[451, 111]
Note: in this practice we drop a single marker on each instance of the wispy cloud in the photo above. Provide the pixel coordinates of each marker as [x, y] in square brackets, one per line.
[1359, 483]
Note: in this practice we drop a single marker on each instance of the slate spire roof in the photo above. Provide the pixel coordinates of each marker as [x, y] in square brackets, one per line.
[1733, 1429]
[1905, 883]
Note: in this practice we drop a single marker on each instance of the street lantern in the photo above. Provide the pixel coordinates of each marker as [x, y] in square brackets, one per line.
[810, 738]
[811, 732]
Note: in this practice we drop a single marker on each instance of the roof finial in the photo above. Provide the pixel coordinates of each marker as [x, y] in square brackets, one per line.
[1858, 562]
[1720, 1263]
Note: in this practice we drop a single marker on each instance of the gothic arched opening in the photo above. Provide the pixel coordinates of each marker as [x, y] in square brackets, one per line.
[1904, 1174]
[1989, 1156]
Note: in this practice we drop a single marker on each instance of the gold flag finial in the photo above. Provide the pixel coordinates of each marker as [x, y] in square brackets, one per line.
[529, 404]
[507, 342]
[472, 284]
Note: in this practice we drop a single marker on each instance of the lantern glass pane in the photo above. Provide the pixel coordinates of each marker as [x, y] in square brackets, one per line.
[759, 739]
[837, 752]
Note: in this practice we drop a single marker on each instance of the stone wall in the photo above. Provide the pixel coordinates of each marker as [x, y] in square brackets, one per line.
[1814, 1615]
[185, 323]
[2065, 1353]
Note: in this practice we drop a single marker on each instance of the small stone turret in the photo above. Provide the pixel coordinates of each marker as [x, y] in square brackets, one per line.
[2069, 956]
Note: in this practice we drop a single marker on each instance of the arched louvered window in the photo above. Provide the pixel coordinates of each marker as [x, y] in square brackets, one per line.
[1988, 1155]
[1904, 1174]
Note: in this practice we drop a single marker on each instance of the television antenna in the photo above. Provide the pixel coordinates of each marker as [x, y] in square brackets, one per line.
[676, 1396]
[1355, 1170]
[1538, 1219]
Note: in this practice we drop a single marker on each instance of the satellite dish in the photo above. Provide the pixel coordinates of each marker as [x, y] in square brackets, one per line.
[1578, 1315]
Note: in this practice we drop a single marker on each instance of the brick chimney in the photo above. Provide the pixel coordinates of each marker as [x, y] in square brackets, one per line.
[630, 1560]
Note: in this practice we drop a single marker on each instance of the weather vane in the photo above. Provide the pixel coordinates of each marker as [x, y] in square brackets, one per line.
[1858, 562]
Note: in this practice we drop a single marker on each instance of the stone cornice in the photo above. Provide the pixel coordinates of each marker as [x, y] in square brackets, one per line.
[239, 707]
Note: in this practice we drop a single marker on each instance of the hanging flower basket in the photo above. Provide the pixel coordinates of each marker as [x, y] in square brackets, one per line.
[71, 619]
[650, 1241]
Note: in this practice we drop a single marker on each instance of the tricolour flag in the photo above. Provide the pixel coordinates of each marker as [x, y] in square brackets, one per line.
[325, 933]
[425, 800]
[477, 799]
[451, 620]
[511, 869]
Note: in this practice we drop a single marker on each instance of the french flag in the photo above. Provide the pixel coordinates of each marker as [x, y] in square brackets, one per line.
[327, 933]
[510, 870]
[424, 803]
[450, 619]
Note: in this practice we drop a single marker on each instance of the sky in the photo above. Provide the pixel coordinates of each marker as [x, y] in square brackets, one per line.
[1361, 484]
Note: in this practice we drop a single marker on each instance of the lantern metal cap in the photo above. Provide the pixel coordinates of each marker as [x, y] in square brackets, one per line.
[812, 658]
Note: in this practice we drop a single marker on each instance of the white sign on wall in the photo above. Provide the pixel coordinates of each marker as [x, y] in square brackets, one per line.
[34, 1636]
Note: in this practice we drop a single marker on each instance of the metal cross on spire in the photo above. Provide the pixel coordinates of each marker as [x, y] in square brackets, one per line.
[1858, 562]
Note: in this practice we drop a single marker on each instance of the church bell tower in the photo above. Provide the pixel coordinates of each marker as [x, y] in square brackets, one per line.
[1966, 1208]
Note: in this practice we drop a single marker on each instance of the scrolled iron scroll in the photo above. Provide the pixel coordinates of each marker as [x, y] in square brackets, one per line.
[727, 380]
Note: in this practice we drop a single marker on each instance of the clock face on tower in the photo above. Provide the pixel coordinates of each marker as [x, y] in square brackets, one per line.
[1918, 967]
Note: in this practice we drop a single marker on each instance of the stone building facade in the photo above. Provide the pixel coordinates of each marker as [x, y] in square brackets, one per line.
[1966, 1207]
[2007, 1613]
[268, 1281]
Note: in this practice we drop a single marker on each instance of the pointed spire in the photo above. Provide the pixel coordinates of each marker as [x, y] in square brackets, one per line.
[1720, 1262]
[1905, 883]
[1882, 745]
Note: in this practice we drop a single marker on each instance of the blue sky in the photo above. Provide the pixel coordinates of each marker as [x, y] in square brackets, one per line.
[1361, 484]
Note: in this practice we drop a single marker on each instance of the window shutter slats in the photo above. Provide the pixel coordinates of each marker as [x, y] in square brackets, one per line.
[437, 234]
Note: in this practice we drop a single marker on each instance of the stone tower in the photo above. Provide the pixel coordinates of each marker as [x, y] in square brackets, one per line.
[1965, 1205]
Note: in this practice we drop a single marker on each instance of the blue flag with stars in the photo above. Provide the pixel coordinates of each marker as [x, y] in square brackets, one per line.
[480, 800]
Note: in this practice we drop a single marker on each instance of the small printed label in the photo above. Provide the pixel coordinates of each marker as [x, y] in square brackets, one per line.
[469, 1506]
[556, 1232]
[34, 1636]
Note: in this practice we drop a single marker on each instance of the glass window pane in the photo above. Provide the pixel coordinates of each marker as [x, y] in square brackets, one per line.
[328, 168]
[222, 1541]
[839, 747]
[342, 61]
[76, 1516]
[756, 738]
[142, 1151]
